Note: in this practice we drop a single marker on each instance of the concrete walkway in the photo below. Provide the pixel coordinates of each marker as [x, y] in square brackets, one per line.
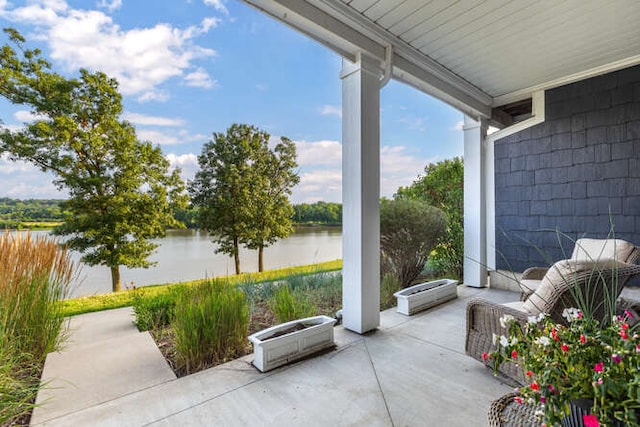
[104, 358]
[412, 371]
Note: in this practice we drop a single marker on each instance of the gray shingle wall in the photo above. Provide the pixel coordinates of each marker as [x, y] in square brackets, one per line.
[571, 173]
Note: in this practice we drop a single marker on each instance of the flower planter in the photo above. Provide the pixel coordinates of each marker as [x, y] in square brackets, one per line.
[425, 295]
[287, 342]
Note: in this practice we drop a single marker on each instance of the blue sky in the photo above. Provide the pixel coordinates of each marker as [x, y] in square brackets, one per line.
[190, 68]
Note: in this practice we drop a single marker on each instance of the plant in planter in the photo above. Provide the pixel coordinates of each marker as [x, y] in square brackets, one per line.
[581, 359]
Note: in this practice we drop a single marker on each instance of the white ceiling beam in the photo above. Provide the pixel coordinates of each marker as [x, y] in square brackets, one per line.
[344, 30]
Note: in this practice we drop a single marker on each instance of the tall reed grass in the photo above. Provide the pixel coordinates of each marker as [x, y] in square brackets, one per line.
[211, 324]
[289, 305]
[35, 274]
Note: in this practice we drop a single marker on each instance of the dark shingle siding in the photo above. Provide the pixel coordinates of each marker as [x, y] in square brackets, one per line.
[571, 172]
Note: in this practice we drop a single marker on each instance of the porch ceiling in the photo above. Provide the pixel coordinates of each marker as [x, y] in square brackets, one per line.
[475, 54]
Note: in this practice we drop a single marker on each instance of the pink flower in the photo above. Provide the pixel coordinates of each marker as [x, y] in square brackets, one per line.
[564, 347]
[534, 386]
[628, 314]
[623, 335]
[485, 356]
[599, 367]
[624, 326]
[616, 358]
[583, 339]
[600, 381]
[529, 373]
[514, 354]
[580, 314]
[518, 400]
[590, 421]
[543, 399]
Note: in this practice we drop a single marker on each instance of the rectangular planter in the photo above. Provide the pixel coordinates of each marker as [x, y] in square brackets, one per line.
[270, 349]
[425, 295]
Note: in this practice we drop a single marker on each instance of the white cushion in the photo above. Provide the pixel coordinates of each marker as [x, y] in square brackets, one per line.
[600, 249]
[530, 285]
[562, 275]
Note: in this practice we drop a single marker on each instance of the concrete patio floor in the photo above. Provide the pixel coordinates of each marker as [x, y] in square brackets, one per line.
[412, 371]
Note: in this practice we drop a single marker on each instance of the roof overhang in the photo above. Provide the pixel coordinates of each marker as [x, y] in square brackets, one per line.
[474, 55]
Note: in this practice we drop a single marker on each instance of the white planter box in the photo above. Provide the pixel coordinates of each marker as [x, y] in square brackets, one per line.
[270, 352]
[425, 295]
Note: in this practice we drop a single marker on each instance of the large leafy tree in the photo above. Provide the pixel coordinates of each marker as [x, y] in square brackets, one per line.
[121, 190]
[272, 186]
[442, 186]
[242, 188]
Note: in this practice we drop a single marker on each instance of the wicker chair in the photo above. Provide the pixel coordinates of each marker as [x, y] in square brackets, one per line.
[594, 283]
[584, 250]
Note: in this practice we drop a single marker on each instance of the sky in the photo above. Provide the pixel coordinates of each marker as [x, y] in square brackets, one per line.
[189, 68]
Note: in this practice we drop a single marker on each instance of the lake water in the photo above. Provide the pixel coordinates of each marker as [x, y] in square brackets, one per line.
[189, 255]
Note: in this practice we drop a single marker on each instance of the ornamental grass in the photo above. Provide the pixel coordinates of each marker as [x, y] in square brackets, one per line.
[35, 274]
[211, 325]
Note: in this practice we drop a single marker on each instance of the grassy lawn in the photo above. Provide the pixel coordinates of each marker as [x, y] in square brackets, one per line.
[75, 306]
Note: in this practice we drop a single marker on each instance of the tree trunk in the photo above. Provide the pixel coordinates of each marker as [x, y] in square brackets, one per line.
[236, 254]
[115, 278]
[260, 258]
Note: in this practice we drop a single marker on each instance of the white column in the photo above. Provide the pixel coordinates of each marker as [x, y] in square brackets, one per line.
[475, 255]
[361, 194]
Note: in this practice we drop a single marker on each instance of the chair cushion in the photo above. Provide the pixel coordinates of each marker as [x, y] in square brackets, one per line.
[516, 305]
[529, 285]
[561, 276]
[600, 249]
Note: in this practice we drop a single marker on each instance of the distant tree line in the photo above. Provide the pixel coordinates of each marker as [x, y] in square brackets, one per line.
[13, 212]
[16, 211]
[318, 213]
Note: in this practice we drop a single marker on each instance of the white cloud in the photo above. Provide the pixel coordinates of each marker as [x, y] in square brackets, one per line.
[323, 184]
[414, 123]
[143, 119]
[141, 59]
[319, 153]
[217, 5]
[458, 126]
[199, 78]
[21, 180]
[188, 163]
[110, 5]
[154, 95]
[157, 137]
[331, 110]
[25, 116]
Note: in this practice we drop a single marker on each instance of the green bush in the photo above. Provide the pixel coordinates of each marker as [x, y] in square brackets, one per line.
[289, 305]
[154, 311]
[211, 324]
[442, 186]
[409, 231]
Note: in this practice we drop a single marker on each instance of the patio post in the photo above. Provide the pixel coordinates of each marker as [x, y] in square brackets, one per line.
[475, 252]
[361, 193]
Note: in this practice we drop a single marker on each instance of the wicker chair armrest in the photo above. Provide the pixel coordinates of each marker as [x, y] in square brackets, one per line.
[534, 273]
[485, 316]
[483, 321]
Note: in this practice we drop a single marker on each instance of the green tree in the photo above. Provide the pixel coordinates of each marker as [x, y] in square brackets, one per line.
[241, 190]
[409, 230]
[275, 177]
[121, 190]
[442, 186]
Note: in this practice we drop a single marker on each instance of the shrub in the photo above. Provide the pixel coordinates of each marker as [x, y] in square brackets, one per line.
[154, 311]
[442, 186]
[210, 324]
[34, 275]
[409, 231]
[389, 285]
[289, 305]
